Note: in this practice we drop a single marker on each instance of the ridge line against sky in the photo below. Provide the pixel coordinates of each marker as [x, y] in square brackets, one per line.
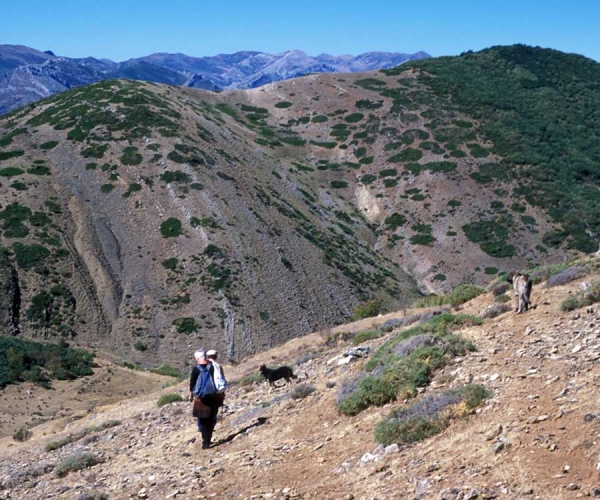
[120, 30]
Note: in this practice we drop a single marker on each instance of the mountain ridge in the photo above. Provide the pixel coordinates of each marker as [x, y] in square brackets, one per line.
[28, 76]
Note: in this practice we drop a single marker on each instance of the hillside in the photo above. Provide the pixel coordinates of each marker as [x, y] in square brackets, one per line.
[534, 437]
[145, 219]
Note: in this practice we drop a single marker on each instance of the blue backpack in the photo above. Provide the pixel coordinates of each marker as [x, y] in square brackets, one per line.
[205, 385]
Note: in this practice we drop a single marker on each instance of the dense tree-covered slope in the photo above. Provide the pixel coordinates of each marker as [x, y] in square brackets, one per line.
[541, 110]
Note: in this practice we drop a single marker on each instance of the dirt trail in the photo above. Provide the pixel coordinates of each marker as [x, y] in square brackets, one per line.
[537, 437]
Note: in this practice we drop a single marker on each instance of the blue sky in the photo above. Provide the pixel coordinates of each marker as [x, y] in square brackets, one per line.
[121, 29]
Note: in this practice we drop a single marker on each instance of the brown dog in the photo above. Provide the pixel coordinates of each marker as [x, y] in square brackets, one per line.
[522, 285]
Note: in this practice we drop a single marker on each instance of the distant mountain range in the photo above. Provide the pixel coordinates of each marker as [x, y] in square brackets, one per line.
[27, 75]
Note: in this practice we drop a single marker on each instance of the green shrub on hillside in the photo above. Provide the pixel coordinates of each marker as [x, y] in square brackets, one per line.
[169, 371]
[439, 326]
[7, 155]
[366, 104]
[167, 399]
[76, 462]
[22, 434]
[394, 221]
[94, 151]
[365, 336]
[171, 228]
[48, 145]
[29, 256]
[583, 298]
[491, 235]
[38, 170]
[170, 263]
[366, 309]
[72, 438]
[326, 145]
[464, 293]
[186, 325]
[370, 83]
[254, 378]
[430, 415]
[338, 184]
[22, 360]
[422, 239]
[175, 176]
[406, 155]
[7, 139]
[368, 179]
[130, 156]
[354, 117]
[11, 172]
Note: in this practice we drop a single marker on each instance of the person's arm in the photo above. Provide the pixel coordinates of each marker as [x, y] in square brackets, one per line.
[193, 380]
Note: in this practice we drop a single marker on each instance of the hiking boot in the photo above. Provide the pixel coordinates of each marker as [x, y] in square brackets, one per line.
[205, 445]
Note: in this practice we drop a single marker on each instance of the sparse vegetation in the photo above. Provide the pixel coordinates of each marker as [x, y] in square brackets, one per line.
[366, 309]
[167, 399]
[302, 391]
[186, 325]
[169, 371]
[22, 434]
[430, 415]
[253, 378]
[586, 297]
[72, 438]
[76, 462]
[365, 336]
[131, 156]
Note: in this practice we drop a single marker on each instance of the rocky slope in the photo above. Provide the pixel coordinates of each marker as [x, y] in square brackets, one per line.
[536, 437]
[29, 75]
[144, 219]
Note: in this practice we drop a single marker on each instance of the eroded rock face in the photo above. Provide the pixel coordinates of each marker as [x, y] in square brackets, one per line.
[10, 298]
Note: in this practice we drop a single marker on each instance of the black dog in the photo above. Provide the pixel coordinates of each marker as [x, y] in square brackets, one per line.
[273, 375]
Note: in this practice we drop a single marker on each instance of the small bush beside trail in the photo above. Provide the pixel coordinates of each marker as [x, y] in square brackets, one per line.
[406, 362]
[566, 275]
[71, 438]
[253, 378]
[168, 399]
[75, 462]
[586, 297]
[22, 434]
[365, 336]
[430, 415]
[302, 390]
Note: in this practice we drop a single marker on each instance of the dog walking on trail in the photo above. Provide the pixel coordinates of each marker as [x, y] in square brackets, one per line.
[273, 376]
[522, 285]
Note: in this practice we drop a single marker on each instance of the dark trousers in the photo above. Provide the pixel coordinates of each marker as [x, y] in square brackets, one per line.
[207, 425]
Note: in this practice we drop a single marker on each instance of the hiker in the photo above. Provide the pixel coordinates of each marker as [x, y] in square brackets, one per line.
[219, 377]
[204, 393]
